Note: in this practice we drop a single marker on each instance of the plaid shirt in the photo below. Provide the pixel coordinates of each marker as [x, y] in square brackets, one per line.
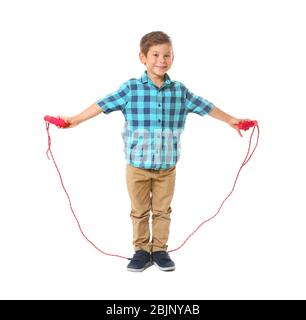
[154, 119]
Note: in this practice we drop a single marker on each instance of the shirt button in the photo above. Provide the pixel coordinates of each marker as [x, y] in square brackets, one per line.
[159, 105]
[158, 120]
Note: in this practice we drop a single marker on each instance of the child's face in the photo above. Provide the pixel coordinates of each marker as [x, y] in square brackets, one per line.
[159, 59]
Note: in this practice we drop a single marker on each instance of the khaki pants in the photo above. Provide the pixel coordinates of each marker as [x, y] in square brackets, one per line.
[150, 190]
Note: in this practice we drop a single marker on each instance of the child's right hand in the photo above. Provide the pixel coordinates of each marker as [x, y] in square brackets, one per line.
[70, 120]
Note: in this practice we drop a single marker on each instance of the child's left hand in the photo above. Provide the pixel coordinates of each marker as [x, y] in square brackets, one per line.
[234, 124]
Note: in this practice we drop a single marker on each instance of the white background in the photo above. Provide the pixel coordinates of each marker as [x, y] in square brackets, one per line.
[58, 57]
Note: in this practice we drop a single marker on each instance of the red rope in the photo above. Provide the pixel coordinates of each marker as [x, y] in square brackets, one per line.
[68, 197]
[245, 161]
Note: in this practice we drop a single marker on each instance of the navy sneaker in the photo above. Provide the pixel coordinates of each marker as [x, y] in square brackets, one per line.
[163, 261]
[140, 261]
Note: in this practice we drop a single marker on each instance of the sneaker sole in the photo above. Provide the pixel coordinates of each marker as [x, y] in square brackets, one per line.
[149, 264]
[165, 268]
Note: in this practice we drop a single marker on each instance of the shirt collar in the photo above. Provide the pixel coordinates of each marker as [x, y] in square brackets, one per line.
[146, 79]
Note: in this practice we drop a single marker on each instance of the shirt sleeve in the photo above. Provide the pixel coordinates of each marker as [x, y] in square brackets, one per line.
[197, 104]
[115, 101]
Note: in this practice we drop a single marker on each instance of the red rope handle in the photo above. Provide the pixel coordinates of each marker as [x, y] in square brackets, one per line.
[245, 161]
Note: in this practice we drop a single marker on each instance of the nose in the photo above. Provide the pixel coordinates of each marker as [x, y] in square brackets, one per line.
[162, 60]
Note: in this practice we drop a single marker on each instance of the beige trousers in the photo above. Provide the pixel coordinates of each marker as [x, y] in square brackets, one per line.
[150, 191]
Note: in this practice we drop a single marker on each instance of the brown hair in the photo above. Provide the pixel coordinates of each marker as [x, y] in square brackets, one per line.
[152, 39]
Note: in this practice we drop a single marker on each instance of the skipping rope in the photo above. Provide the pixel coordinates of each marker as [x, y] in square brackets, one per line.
[244, 125]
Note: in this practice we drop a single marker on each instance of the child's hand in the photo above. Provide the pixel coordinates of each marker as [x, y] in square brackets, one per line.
[69, 120]
[234, 124]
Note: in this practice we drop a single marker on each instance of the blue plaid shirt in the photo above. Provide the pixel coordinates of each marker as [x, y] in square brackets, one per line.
[154, 119]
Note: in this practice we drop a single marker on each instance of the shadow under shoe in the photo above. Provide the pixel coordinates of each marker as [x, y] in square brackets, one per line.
[140, 261]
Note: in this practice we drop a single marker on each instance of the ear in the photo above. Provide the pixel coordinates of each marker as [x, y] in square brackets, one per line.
[142, 58]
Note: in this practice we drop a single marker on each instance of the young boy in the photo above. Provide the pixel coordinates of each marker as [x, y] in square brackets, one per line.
[155, 109]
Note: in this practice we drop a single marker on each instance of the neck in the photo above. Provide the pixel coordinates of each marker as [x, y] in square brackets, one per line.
[157, 80]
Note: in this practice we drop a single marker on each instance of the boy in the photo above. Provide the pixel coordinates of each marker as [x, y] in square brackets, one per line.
[155, 110]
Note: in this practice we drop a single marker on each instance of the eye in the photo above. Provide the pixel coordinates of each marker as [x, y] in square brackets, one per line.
[155, 55]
